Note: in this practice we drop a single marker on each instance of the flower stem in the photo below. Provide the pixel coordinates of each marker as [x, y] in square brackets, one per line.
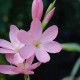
[44, 25]
[75, 69]
[26, 77]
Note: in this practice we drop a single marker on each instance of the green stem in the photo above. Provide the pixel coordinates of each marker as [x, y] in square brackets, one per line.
[26, 77]
[44, 25]
[78, 78]
[75, 69]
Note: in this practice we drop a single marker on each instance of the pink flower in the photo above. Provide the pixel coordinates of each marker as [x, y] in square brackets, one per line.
[37, 9]
[38, 43]
[23, 68]
[11, 49]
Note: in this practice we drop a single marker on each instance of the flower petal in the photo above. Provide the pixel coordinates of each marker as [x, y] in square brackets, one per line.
[19, 69]
[53, 47]
[35, 65]
[40, 10]
[13, 32]
[9, 58]
[7, 69]
[13, 35]
[5, 44]
[49, 34]
[27, 52]
[14, 59]
[29, 72]
[30, 60]
[17, 59]
[24, 37]
[36, 29]
[42, 55]
[2, 50]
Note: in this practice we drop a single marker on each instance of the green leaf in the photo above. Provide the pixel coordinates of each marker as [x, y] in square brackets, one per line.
[78, 78]
[75, 69]
[71, 47]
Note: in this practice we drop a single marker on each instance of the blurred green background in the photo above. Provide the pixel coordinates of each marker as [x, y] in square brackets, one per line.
[67, 17]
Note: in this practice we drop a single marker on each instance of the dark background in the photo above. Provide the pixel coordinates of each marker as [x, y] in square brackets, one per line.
[66, 17]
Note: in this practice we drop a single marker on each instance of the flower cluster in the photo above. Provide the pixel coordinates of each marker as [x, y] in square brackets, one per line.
[24, 46]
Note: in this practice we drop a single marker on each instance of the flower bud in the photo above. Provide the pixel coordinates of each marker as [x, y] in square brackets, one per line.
[48, 17]
[37, 9]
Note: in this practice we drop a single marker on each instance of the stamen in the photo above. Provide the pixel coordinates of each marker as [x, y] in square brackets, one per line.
[38, 45]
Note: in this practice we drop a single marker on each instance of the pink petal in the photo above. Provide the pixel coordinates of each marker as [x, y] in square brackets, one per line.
[19, 69]
[35, 65]
[40, 10]
[49, 34]
[22, 70]
[9, 58]
[27, 52]
[13, 35]
[30, 60]
[5, 44]
[17, 59]
[29, 72]
[42, 55]
[2, 50]
[6, 69]
[36, 29]
[48, 16]
[24, 37]
[35, 8]
[14, 58]
[53, 47]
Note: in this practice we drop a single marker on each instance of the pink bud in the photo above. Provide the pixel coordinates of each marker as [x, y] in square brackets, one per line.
[37, 9]
[48, 16]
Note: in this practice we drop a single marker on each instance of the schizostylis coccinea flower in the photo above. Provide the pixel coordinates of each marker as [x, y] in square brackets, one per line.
[38, 42]
[23, 68]
[11, 49]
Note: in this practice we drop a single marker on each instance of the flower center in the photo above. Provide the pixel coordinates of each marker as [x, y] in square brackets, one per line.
[17, 50]
[38, 45]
